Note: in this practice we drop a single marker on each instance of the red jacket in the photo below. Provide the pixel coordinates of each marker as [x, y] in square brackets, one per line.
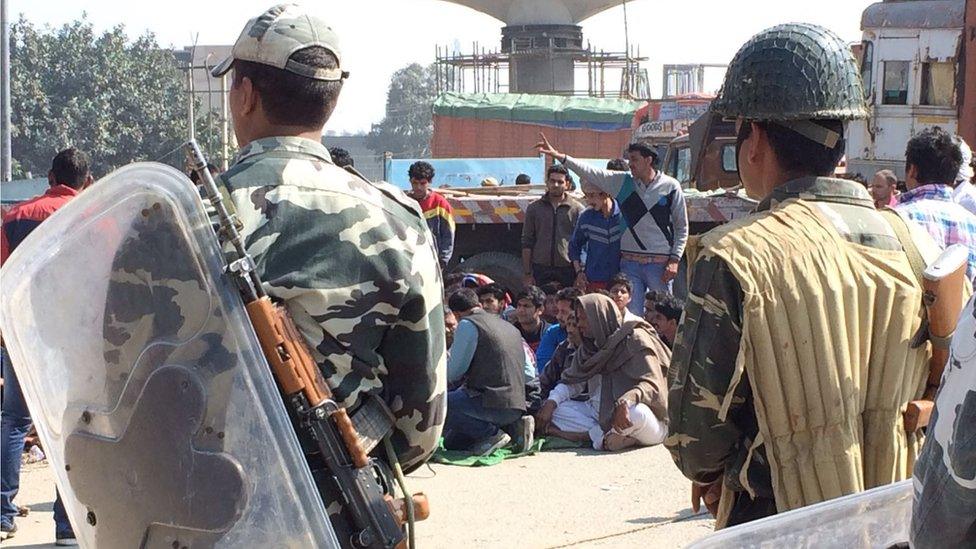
[23, 218]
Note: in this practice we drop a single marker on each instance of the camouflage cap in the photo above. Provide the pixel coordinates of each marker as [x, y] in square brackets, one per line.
[272, 38]
[792, 72]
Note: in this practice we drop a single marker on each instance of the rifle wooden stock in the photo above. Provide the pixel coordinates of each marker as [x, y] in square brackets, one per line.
[296, 371]
[944, 287]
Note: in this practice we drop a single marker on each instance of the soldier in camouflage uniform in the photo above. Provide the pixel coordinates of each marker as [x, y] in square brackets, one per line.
[353, 261]
[760, 381]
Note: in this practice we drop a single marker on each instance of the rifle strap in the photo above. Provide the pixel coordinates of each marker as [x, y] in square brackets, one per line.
[900, 227]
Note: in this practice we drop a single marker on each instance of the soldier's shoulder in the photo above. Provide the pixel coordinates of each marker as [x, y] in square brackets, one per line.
[728, 231]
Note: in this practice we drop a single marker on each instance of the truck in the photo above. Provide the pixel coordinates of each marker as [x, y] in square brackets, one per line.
[660, 121]
[911, 59]
[503, 125]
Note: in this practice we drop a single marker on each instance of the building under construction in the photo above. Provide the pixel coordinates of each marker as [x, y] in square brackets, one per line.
[542, 51]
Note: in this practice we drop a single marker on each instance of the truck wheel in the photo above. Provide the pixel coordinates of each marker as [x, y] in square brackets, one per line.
[505, 269]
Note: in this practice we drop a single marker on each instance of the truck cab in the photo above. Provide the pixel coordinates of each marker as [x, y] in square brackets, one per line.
[909, 61]
[704, 158]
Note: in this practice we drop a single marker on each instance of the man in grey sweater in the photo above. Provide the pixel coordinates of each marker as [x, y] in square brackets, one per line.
[653, 208]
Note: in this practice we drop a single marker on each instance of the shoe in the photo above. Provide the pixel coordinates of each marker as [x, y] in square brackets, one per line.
[7, 532]
[526, 433]
[492, 443]
[65, 539]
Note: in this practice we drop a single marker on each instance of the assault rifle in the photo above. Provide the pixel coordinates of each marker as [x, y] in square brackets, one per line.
[325, 430]
[944, 295]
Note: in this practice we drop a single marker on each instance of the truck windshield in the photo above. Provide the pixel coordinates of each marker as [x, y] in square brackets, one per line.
[895, 83]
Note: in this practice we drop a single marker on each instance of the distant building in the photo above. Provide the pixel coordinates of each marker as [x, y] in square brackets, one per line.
[368, 162]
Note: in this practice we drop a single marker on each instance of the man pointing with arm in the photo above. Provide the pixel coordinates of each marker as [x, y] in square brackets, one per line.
[653, 209]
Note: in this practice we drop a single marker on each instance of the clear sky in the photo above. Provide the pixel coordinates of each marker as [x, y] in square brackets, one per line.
[380, 36]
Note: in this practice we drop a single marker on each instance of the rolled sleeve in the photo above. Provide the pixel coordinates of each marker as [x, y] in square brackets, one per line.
[700, 375]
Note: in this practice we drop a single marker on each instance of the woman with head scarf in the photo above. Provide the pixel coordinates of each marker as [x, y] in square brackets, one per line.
[623, 365]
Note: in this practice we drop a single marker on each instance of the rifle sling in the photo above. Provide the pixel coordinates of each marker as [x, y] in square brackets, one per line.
[900, 226]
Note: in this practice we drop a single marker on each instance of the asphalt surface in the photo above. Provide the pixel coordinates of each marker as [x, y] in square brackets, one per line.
[553, 499]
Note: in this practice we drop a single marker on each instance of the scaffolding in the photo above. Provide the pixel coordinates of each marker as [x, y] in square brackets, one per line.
[685, 79]
[609, 74]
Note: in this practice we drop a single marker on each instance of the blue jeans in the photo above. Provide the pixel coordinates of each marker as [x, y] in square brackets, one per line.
[644, 277]
[15, 423]
[469, 422]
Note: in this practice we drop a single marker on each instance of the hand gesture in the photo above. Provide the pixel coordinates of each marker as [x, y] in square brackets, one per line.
[544, 147]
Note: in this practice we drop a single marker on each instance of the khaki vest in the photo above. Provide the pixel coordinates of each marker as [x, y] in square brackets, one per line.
[825, 343]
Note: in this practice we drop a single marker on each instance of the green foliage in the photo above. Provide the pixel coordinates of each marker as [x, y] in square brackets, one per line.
[119, 101]
[407, 127]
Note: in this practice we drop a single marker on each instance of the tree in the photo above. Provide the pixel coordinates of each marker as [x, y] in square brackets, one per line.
[118, 101]
[407, 127]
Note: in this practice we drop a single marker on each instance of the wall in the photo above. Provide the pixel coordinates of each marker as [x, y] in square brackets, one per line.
[967, 107]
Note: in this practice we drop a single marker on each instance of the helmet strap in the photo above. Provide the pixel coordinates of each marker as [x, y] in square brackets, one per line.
[812, 131]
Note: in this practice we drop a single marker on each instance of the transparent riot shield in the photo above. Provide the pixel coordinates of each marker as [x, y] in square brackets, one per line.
[874, 519]
[155, 405]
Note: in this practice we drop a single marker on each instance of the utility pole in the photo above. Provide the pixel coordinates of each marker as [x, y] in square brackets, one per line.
[6, 158]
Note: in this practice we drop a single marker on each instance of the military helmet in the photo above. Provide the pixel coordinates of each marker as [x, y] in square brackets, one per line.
[796, 71]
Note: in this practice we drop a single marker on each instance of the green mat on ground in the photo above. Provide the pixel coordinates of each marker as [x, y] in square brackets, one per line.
[465, 459]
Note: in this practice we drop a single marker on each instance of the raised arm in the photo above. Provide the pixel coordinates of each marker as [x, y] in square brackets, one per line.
[608, 181]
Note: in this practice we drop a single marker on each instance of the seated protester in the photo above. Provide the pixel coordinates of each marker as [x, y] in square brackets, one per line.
[623, 364]
[450, 326]
[556, 333]
[533, 387]
[650, 300]
[490, 357]
[666, 317]
[621, 291]
[528, 316]
[561, 358]
[549, 309]
[494, 299]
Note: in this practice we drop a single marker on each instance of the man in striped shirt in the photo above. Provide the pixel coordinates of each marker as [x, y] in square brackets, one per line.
[932, 161]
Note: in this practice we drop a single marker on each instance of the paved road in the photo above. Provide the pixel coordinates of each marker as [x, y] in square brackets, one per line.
[553, 499]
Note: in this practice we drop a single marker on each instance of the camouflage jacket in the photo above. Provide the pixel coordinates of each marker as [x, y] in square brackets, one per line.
[703, 446]
[354, 263]
[944, 513]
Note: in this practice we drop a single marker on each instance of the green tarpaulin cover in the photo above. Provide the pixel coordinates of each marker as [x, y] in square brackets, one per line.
[543, 109]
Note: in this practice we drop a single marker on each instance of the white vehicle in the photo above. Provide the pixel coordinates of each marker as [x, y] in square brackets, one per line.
[910, 68]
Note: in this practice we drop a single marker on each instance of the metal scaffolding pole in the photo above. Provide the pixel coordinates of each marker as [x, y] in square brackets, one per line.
[6, 158]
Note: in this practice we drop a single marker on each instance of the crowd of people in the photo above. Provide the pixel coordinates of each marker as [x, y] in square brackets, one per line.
[778, 383]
